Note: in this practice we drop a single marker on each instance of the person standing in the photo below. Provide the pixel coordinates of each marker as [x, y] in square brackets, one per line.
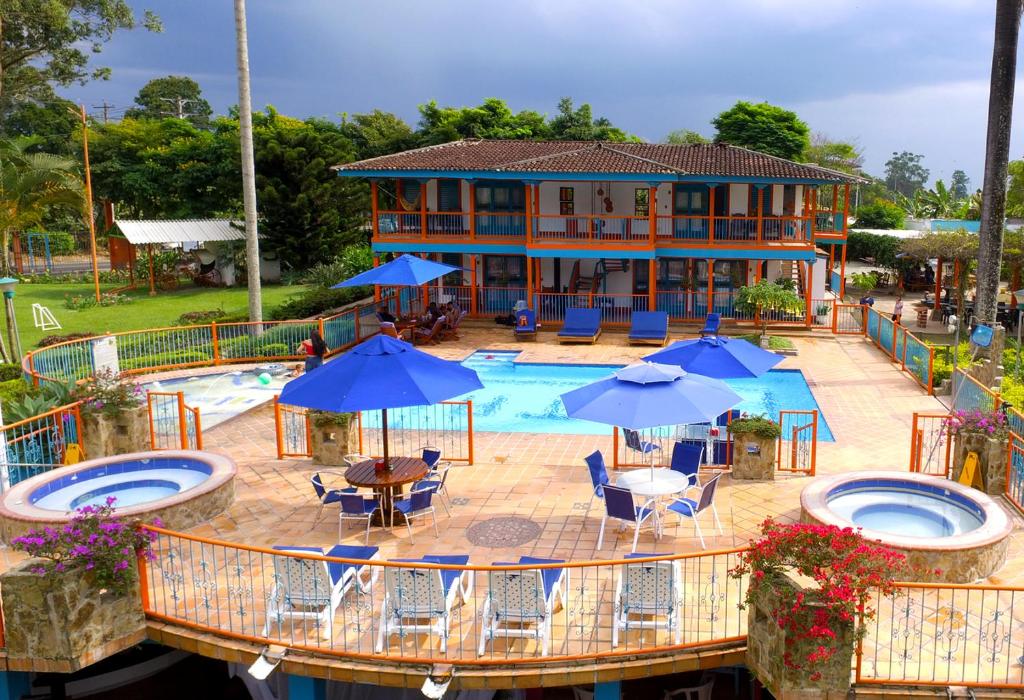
[897, 312]
[315, 349]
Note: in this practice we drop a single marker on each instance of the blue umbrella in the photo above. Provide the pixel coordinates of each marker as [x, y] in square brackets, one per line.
[647, 395]
[718, 357]
[404, 271]
[380, 373]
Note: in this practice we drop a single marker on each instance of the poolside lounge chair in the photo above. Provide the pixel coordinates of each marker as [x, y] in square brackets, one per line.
[648, 328]
[526, 325]
[311, 589]
[686, 458]
[327, 496]
[420, 601]
[633, 442]
[580, 326]
[521, 603]
[618, 504]
[690, 508]
[711, 325]
[648, 595]
[697, 692]
[421, 336]
[451, 330]
[387, 328]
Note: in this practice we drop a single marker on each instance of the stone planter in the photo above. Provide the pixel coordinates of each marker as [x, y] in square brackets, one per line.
[766, 647]
[753, 457]
[65, 619]
[330, 441]
[991, 460]
[105, 435]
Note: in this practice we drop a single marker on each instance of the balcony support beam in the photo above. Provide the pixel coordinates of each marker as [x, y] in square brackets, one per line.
[652, 284]
[472, 211]
[472, 284]
[842, 274]
[711, 283]
[846, 207]
[808, 293]
[711, 212]
[375, 226]
[423, 209]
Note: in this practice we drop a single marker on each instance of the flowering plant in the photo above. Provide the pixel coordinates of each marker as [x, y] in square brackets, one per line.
[847, 569]
[986, 423]
[109, 393]
[95, 540]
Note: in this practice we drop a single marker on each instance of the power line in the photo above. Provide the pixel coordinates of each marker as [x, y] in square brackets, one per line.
[179, 103]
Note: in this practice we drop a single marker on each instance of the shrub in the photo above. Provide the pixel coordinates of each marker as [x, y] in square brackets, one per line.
[880, 247]
[352, 260]
[251, 346]
[108, 393]
[316, 300]
[881, 214]
[864, 281]
[48, 340]
[86, 301]
[61, 243]
[986, 423]
[14, 391]
[10, 370]
[761, 426]
[163, 359]
[195, 318]
[768, 296]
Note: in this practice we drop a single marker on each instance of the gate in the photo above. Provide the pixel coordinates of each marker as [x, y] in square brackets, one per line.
[798, 444]
[1015, 470]
[930, 444]
[292, 430]
[172, 424]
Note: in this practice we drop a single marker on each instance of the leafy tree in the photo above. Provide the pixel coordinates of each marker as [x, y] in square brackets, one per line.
[377, 134]
[768, 296]
[879, 247]
[881, 214]
[52, 124]
[952, 246]
[48, 43]
[938, 203]
[491, 120]
[905, 174]
[32, 184]
[1015, 189]
[579, 125]
[959, 184]
[763, 127]
[835, 155]
[162, 97]
[686, 137]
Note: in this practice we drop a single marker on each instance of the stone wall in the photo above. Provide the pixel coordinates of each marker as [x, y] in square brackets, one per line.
[64, 619]
[753, 457]
[330, 441]
[104, 435]
[991, 460]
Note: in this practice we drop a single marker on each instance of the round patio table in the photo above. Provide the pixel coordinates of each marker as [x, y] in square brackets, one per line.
[387, 484]
[665, 482]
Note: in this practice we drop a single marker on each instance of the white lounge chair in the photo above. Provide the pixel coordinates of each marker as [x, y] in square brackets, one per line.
[420, 601]
[521, 603]
[312, 589]
[648, 595]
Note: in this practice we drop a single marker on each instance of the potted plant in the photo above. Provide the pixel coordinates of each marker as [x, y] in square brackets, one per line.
[115, 417]
[77, 599]
[865, 282]
[823, 315]
[766, 297]
[808, 598]
[984, 433]
[331, 436]
[755, 440]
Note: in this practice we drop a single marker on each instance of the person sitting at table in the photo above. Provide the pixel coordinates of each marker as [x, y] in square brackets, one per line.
[433, 313]
[385, 316]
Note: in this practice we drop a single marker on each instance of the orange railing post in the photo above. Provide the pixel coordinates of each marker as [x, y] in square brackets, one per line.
[278, 428]
[469, 428]
[216, 343]
[152, 424]
[182, 420]
[199, 428]
[77, 411]
[140, 560]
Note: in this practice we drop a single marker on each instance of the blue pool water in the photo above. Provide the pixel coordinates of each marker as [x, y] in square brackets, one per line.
[523, 397]
[900, 507]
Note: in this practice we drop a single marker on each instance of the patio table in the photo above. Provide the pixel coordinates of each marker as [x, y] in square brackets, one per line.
[386, 484]
[666, 482]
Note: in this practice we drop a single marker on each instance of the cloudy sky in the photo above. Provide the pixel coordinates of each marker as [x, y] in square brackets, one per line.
[891, 75]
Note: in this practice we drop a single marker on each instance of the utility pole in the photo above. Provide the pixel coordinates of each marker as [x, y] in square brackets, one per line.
[105, 107]
[88, 204]
[252, 243]
[179, 103]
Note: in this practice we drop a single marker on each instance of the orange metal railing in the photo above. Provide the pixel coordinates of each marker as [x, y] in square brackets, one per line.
[173, 424]
[930, 444]
[798, 443]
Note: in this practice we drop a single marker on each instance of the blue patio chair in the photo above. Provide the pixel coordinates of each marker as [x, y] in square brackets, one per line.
[619, 505]
[325, 495]
[711, 325]
[723, 420]
[648, 328]
[648, 595]
[645, 448]
[690, 508]
[526, 325]
[521, 603]
[580, 326]
[436, 481]
[313, 589]
[598, 474]
[686, 458]
[431, 455]
[416, 504]
[420, 601]
[356, 507]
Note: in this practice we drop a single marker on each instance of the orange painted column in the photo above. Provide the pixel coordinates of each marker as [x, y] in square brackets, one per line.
[809, 291]
[529, 283]
[711, 285]
[758, 192]
[938, 286]
[652, 212]
[711, 213]
[373, 208]
[652, 285]
[376, 287]
[473, 302]
[423, 210]
[529, 214]
[472, 212]
[842, 274]
[846, 207]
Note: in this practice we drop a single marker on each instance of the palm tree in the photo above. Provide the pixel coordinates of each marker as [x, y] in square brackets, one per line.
[31, 186]
[252, 241]
[939, 203]
[997, 151]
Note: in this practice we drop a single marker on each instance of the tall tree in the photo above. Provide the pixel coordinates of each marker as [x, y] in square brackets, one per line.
[51, 123]
[377, 134]
[835, 155]
[579, 124]
[252, 238]
[905, 174]
[763, 127]
[686, 137]
[174, 96]
[491, 120]
[959, 184]
[43, 44]
[997, 154]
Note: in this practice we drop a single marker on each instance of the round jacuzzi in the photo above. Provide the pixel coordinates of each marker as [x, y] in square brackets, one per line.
[938, 524]
[182, 488]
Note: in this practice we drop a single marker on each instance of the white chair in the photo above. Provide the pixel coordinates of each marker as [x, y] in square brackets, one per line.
[619, 505]
[648, 595]
[312, 589]
[352, 459]
[690, 508]
[521, 603]
[420, 601]
[697, 692]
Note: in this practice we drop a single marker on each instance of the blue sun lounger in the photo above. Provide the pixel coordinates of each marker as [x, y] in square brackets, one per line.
[526, 325]
[648, 328]
[580, 326]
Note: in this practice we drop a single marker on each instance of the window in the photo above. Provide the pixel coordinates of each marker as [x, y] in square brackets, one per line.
[504, 271]
[691, 199]
[641, 202]
[566, 205]
[500, 196]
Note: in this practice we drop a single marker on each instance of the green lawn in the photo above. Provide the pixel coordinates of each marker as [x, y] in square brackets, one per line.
[145, 312]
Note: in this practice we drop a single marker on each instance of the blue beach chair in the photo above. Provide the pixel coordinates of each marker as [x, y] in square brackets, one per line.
[648, 328]
[580, 326]
[526, 325]
[711, 325]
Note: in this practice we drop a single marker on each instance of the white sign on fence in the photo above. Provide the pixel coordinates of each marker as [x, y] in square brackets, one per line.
[104, 355]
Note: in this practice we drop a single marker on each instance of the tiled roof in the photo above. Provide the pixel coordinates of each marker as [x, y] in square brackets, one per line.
[596, 157]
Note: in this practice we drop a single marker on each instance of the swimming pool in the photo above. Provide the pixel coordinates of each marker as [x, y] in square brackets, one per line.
[521, 397]
[223, 395]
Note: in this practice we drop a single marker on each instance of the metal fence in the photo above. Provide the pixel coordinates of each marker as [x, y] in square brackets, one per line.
[1015, 470]
[581, 610]
[447, 425]
[912, 354]
[969, 394]
[798, 444]
[292, 429]
[42, 439]
[930, 444]
[849, 319]
[173, 425]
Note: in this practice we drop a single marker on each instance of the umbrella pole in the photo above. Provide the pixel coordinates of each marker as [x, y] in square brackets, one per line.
[384, 435]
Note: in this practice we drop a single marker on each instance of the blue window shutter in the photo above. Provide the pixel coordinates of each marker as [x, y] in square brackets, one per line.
[448, 195]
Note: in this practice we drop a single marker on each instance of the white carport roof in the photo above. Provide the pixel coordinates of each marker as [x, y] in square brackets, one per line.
[179, 231]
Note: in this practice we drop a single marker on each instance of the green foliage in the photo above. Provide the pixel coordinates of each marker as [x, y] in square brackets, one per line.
[938, 203]
[686, 137]
[353, 260]
[86, 301]
[580, 125]
[835, 155]
[323, 419]
[316, 300]
[109, 393]
[864, 281]
[13, 391]
[159, 98]
[377, 134]
[247, 346]
[905, 174]
[761, 426]
[881, 214]
[881, 248]
[775, 342]
[942, 368]
[48, 340]
[52, 123]
[33, 402]
[61, 243]
[959, 184]
[768, 296]
[196, 318]
[9, 371]
[163, 359]
[763, 127]
[1015, 189]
